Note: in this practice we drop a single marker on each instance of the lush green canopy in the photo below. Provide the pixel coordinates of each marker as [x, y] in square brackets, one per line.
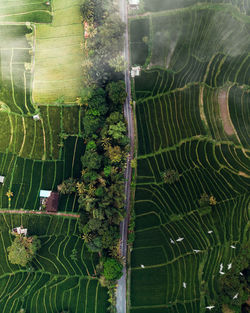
[112, 269]
[23, 250]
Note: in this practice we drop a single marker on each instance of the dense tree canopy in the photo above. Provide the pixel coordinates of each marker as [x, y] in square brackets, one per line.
[117, 92]
[112, 269]
[91, 159]
[23, 249]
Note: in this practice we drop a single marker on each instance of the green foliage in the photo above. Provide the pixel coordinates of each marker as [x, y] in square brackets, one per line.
[85, 94]
[110, 237]
[91, 124]
[68, 186]
[90, 176]
[91, 145]
[107, 170]
[93, 11]
[117, 92]
[170, 176]
[114, 118]
[206, 200]
[233, 282]
[99, 192]
[131, 237]
[107, 43]
[87, 10]
[91, 159]
[97, 102]
[23, 250]
[95, 245]
[112, 269]
[59, 100]
[73, 255]
[94, 224]
[118, 63]
[117, 131]
[115, 154]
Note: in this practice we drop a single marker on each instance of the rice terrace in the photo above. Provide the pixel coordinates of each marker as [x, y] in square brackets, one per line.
[192, 186]
[124, 156]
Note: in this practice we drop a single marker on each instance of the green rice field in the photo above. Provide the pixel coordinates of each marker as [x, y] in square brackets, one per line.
[192, 111]
[39, 154]
[40, 62]
[58, 54]
[61, 277]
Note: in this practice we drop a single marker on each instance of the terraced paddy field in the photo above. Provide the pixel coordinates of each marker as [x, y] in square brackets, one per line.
[36, 154]
[61, 276]
[40, 61]
[192, 110]
[58, 54]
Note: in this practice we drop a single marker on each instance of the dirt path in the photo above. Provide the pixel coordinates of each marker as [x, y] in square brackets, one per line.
[224, 112]
[39, 213]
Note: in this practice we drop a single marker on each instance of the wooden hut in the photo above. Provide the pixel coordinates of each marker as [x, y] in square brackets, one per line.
[52, 202]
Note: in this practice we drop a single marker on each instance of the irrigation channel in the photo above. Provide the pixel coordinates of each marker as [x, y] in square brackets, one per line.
[121, 303]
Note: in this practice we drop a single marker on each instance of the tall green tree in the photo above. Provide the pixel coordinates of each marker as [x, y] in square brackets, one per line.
[117, 93]
[91, 159]
[112, 269]
[23, 249]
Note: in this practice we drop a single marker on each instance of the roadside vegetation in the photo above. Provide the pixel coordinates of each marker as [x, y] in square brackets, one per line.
[100, 187]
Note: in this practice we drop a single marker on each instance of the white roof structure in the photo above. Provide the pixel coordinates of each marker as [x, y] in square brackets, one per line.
[20, 230]
[135, 71]
[2, 179]
[134, 2]
[36, 117]
[45, 193]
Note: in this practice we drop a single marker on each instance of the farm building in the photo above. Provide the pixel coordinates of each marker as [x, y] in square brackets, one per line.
[49, 200]
[20, 230]
[45, 193]
[36, 117]
[135, 71]
[2, 179]
[52, 202]
[134, 4]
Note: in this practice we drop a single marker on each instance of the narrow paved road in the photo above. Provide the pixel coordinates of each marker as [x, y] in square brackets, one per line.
[128, 113]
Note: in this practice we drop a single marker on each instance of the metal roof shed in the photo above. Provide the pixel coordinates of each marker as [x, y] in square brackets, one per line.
[45, 193]
[134, 2]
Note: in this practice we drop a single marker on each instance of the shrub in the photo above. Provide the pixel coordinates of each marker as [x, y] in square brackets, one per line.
[170, 176]
[68, 186]
[91, 145]
[91, 160]
[112, 269]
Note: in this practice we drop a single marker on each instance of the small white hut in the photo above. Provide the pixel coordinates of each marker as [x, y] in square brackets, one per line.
[135, 71]
[2, 179]
[36, 117]
[20, 230]
[45, 193]
[134, 4]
